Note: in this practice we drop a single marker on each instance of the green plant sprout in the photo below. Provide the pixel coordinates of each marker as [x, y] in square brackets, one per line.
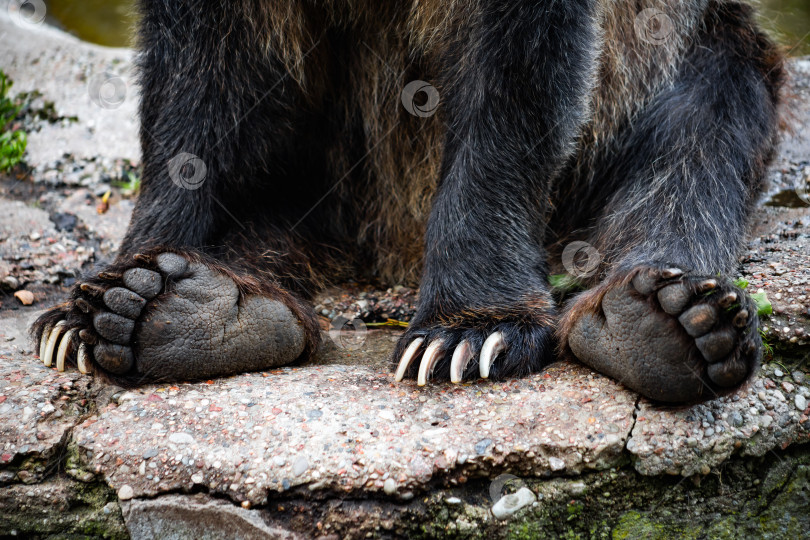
[12, 141]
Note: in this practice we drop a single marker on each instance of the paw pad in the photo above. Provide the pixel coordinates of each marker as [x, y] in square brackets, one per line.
[176, 319]
[669, 335]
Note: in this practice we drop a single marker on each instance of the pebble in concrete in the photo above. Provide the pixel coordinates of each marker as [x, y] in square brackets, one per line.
[300, 466]
[125, 493]
[510, 504]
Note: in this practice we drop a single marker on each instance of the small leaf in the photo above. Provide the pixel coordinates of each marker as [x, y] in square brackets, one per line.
[763, 304]
[565, 282]
[389, 322]
[741, 283]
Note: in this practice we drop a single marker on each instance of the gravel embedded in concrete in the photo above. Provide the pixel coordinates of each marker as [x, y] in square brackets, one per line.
[242, 425]
[751, 421]
[38, 409]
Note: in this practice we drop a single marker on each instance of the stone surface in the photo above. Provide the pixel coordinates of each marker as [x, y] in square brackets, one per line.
[59, 508]
[109, 226]
[325, 428]
[32, 250]
[693, 440]
[790, 168]
[14, 330]
[196, 518]
[38, 408]
[508, 505]
[778, 263]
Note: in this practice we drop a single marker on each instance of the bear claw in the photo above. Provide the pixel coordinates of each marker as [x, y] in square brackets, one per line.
[407, 358]
[83, 361]
[493, 346]
[429, 361]
[48, 342]
[461, 358]
[463, 353]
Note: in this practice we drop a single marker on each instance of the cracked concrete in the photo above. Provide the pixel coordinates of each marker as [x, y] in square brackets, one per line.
[347, 429]
[39, 410]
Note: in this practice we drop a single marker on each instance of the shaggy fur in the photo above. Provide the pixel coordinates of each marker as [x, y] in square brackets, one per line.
[557, 122]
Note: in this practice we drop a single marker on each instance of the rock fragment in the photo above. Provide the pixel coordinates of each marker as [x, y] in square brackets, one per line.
[508, 505]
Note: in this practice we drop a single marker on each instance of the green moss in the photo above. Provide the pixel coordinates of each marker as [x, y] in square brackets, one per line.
[629, 522]
[634, 524]
[747, 497]
[724, 529]
[61, 508]
[526, 530]
[72, 458]
[574, 509]
[788, 512]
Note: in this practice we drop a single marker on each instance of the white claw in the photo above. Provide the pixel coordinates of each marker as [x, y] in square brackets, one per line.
[407, 357]
[83, 359]
[63, 349]
[53, 337]
[43, 341]
[461, 357]
[428, 361]
[493, 346]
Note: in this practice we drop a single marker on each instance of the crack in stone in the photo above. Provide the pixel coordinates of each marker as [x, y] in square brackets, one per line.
[636, 410]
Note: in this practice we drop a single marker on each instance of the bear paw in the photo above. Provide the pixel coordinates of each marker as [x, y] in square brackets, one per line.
[476, 343]
[669, 335]
[170, 317]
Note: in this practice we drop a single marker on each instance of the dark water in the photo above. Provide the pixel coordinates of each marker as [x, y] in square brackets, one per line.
[789, 21]
[110, 22]
[107, 22]
[787, 198]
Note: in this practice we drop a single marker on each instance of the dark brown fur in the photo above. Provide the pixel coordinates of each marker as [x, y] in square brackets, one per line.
[557, 122]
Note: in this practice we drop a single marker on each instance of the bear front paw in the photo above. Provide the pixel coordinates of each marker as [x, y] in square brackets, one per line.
[488, 343]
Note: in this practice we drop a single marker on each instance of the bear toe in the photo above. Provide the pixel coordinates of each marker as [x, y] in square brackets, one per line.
[124, 302]
[146, 283]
